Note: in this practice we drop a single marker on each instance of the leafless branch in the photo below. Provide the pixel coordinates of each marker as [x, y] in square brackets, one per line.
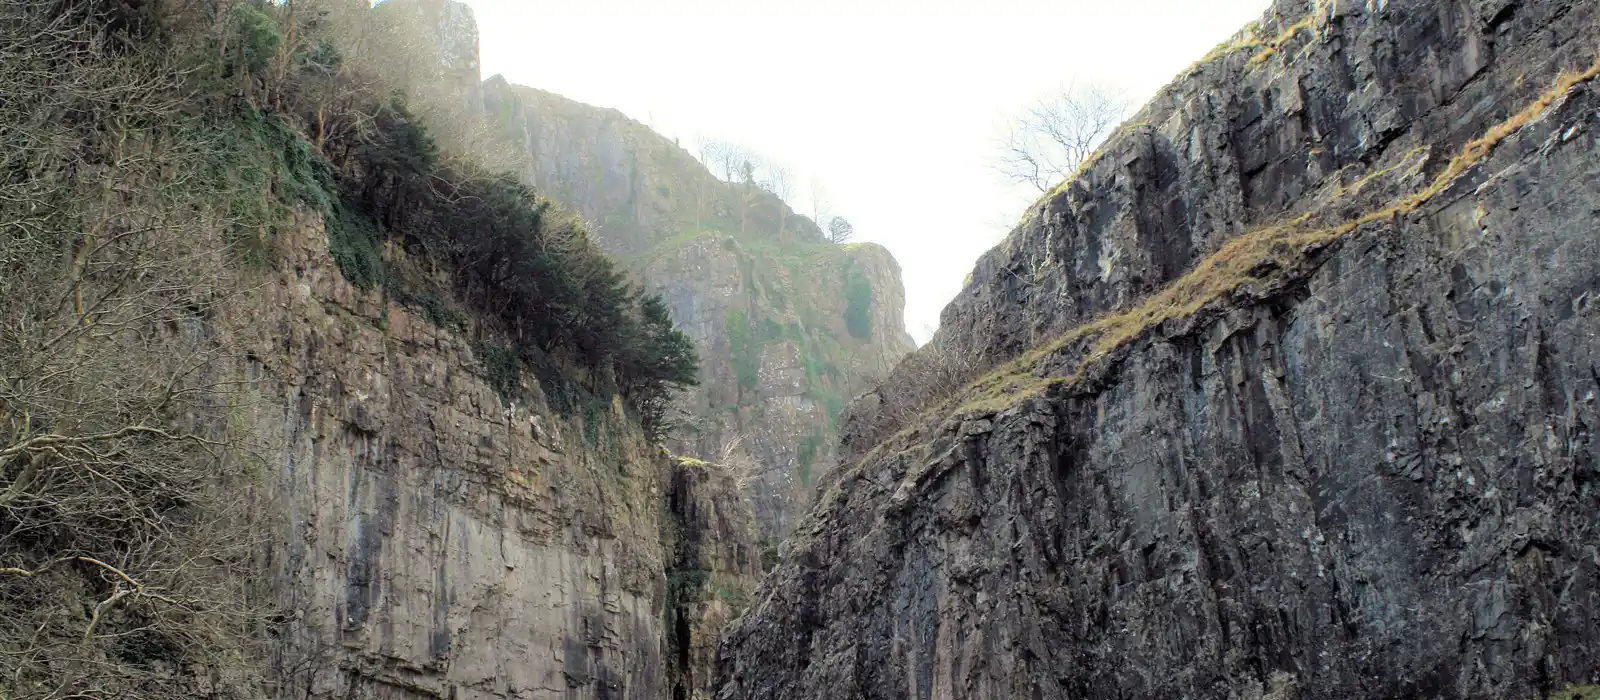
[1051, 140]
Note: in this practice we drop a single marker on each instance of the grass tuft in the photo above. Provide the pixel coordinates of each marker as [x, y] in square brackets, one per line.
[1270, 47]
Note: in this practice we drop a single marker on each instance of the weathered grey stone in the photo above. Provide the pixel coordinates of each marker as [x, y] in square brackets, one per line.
[753, 284]
[713, 567]
[435, 542]
[1369, 473]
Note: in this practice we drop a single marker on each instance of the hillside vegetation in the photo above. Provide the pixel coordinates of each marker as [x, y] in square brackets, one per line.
[152, 150]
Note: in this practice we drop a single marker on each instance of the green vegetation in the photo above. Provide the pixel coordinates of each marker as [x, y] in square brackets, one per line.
[438, 310]
[744, 350]
[858, 303]
[386, 184]
[821, 338]
[1577, 692]
[680, 581]
[736, 597]
[503, 367]
[149, 152]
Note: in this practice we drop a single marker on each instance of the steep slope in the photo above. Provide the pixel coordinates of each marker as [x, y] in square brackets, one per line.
[297, 401]
[436, 540]
[1287, 394]
[443, 529]
[789, 327]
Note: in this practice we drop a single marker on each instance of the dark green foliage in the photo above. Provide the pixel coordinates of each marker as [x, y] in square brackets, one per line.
[434, 307]
[503, 367]
[353, 243]
[260, 169]
[771, 331]
[858, 304]
[256, 37]
[658, 361]
[744, 351]
[534, 272]
[594, 417]
[683, 581]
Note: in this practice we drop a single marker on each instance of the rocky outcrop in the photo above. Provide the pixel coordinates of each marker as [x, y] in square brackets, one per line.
[434, 540]
[789, 327]
[780, 357]
[1288, 394]
[441, 537]
[713, 566]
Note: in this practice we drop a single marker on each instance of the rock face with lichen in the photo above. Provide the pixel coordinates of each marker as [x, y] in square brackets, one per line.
[443, 530]
[789, 327]
[434, 539]
[1289, 394]
[712, 568]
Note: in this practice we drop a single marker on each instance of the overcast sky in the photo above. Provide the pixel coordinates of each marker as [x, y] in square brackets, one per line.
[893, 104]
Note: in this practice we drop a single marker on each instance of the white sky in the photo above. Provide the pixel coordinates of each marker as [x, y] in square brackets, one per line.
[893, 104]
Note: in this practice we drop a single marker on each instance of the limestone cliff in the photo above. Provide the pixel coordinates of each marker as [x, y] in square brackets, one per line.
[789, 326]
[301, 446]
[436, 540]
[444, 539]
[1289, 393]
[713, 565]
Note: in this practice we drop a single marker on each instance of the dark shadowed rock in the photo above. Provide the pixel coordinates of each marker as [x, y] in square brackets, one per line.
[1362, 467]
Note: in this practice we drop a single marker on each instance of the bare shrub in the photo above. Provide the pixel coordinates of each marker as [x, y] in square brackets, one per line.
[120, 555]
[1050, 141]
[924, 379]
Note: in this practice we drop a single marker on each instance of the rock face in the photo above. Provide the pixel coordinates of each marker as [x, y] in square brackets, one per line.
[1330, 436]
[713, 566]
[789, 327]
[436, 541]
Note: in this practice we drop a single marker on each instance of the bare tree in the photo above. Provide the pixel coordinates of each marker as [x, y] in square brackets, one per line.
[732, 163]
[924, 378]
[726, 159]
[775, 179]
[705, 149]
[1050, 141]
[733, 459]
[840, 231]
[819, 202]
[124, 529]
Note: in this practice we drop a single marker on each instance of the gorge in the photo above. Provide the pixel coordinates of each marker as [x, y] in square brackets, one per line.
[331, 369]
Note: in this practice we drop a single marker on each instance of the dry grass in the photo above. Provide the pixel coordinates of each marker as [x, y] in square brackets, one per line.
[1250, 38]
[1270, 47]
[1253, 259]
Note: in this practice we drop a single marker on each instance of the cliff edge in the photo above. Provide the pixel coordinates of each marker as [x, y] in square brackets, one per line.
[1287, 394]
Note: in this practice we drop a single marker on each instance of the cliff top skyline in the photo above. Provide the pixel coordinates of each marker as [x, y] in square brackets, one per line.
[895, 107]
